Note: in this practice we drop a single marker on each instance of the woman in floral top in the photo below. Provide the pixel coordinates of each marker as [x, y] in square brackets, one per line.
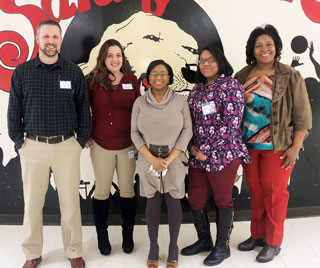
[216, 150]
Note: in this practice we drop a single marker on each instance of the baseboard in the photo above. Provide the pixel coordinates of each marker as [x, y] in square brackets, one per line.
[87, 220]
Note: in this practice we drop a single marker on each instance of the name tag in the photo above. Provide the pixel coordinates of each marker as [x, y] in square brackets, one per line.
[208, 108]
[133, 154]
[65, 84]
[127, 86]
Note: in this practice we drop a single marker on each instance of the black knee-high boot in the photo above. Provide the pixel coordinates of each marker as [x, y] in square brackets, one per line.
[100, 214]
[221, 250]
[204, 242]
[128, 214]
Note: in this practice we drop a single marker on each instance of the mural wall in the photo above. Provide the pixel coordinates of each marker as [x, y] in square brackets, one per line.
[173, 30]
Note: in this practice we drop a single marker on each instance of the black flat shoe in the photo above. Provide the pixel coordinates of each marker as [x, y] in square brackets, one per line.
[217, 255]
[251, 243]
[268, 253]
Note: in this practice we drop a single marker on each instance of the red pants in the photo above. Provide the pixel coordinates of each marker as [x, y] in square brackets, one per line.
[200, 181]
[267, 182]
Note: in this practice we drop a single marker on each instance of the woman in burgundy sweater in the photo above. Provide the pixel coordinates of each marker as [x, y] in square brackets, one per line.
[112, 92]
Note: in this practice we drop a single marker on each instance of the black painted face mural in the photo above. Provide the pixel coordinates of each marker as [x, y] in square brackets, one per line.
[173, 37]
[172, 34]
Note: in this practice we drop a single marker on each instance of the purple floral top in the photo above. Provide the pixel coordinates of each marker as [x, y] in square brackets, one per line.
[216, 112]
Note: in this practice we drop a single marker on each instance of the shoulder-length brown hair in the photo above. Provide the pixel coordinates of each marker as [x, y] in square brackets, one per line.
[100, 73]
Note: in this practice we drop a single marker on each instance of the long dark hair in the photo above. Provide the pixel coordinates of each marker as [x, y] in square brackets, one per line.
[268, 30]
[100, 73]
[224, 67]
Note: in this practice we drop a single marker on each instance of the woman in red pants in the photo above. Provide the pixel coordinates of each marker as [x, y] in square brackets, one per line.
[276, 121]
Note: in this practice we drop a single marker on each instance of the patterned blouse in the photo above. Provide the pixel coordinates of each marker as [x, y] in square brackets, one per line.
[216, 112]
[256, 116]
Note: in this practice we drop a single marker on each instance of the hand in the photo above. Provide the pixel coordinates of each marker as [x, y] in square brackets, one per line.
[295, 61]
[165, 162]
[159, 164]
[311, 49]
[197, 153]
[89, 144]
[174, 153]
[290, 155]
[200, 156]
[194, 150]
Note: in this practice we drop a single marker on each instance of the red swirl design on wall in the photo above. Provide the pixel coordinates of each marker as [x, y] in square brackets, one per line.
[13, 51]
[66, 10]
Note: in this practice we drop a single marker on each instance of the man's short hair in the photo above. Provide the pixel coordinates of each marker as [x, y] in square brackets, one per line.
[48, 22]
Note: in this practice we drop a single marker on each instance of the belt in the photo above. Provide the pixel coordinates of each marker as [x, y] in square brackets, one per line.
[52, 140]
[159, 150]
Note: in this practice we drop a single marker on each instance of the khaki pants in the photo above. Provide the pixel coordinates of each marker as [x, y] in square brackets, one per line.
[36, 160]
[104, 163]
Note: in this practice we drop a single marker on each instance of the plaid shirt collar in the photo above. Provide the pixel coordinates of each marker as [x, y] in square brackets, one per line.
[58, 63]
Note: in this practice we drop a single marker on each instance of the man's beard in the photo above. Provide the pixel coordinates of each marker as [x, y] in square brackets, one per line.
[49, 53]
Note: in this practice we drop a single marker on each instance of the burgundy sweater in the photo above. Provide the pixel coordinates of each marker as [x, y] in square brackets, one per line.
[111, 113]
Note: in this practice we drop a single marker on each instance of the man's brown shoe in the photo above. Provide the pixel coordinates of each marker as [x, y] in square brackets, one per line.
[77, 262]
[32, 263]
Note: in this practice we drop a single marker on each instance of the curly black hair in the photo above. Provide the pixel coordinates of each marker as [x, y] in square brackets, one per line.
[268, 30]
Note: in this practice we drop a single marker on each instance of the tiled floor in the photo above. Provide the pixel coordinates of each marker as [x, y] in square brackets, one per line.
[300, 249]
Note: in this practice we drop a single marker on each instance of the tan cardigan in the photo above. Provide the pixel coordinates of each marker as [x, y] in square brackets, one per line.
[165, 123]
[290, 108]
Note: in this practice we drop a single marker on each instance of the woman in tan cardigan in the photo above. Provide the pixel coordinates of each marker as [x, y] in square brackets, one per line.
[161, 129]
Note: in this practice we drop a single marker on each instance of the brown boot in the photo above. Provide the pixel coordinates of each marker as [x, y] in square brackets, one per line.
[32, 263]
[77, 262]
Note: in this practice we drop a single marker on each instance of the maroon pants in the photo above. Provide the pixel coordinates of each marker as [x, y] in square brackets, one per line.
[200, 181]
[267, 182]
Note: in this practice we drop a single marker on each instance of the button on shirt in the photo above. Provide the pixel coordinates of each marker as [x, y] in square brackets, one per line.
[217, 133]
[48, 100]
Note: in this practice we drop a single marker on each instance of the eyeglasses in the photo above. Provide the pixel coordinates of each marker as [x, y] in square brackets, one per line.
[162, 75]
[209, 60]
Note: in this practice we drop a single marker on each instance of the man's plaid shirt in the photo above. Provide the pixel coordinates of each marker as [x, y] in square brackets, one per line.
[48, 100]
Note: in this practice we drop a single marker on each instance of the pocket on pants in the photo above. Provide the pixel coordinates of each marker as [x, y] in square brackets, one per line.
[196, 177]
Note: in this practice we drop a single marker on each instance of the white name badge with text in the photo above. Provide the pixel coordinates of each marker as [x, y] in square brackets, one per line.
[127, 86]
[209, 108]
[65, 84]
